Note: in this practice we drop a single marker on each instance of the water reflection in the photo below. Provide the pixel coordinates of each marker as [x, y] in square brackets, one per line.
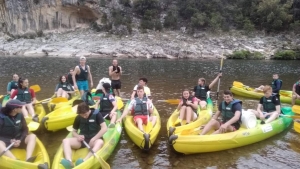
[167, 78]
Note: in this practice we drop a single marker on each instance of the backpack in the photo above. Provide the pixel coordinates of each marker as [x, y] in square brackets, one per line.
[87, 98]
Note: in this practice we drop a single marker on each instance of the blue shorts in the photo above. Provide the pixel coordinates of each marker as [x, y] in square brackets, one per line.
[83, 85]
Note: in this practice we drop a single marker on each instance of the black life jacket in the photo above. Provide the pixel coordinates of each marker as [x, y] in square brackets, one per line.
[83, 75]
[11, 128]
[65, 86]
[200, 92]
[13, 85]
[227, 112]
[24, 95]
[89, 127]
[297, 85]
[105, 104]
[274, 84]
[141, 107]
[116, 68]
[268, 104]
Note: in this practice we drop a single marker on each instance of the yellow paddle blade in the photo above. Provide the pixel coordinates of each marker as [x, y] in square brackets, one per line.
[59, 100]
[296, 109]
[238, 84]
[93, 90]
[102, 162]
[297, 126]
[33, 126]
[35, 88]
[120, 103]
[170, 101]
[1, 96]
[70, 128]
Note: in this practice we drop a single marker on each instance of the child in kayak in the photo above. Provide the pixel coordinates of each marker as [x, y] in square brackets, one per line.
[63, 88]
[187, 106]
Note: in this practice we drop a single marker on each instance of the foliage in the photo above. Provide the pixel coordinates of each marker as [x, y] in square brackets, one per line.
[245, 54]
[285, 55]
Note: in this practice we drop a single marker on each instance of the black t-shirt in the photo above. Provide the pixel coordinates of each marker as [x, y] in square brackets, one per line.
[206, 90]
[274, 100]
[99, 120]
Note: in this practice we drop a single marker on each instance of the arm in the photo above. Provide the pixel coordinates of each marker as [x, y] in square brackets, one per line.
[114, 103]
[215, 81]
[97, 104]
[125, 112]
[120, 70]
[13, 94]
[294, 90]
[110, 71]
[259, 109]
[71, 89]
[74, 75]
[32, 96]
[179, 105]
[278, 109]
[133, 94]
[194, 104]
[24, 128]
[277, 87]
[215, 117]
[76, 124]
[90, 76]
[101, 132]
[235, 118]
[56, 88]
[193, 93]
[8, 88]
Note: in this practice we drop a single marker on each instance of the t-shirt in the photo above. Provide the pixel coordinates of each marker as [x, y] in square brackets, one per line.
[99, 120]
[146, 90]
[16, 92]
[132, 104]
[235, 107]
[274, 100]
[206, 88]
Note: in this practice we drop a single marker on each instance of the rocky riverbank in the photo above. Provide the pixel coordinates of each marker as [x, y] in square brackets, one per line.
[168, 44]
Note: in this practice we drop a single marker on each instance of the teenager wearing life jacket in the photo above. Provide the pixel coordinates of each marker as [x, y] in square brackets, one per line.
[142, 108]
[142, 82]
[27, 95]
[63, 88]
[12, 85]
[276, 86]
[69, 77]
[231, 113]
[108, 105]
[88, 126]
[188, 107]
[80, 76]
[13, 128]
[200, 91]
[115, 72]
[270, 105]
[296, 92]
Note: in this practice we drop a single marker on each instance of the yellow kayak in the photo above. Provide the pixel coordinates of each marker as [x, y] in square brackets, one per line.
[41, 162]
[65, 116]
[297, 126]
[191, 142]
[39, 110]
[111, 139]
[240, 89]
[203, 117]
[138, 137]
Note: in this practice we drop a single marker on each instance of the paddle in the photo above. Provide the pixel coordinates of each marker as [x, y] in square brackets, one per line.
[59, 99]
[1, 96]
[103, 163]
[33, 126]
[171, 101]
[296, 109]
[221, 67]
[35, 88]
[7, 148]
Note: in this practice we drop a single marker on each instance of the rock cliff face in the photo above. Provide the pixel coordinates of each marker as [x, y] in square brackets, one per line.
[32, 17]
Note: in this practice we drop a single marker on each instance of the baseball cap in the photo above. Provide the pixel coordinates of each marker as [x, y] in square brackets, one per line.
[82, 58]
[106, 85]
[15, 104]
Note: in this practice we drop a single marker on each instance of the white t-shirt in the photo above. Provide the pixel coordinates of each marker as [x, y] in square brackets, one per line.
[146, 90]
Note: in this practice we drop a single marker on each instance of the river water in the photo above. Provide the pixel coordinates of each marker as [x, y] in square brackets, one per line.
[167, 78]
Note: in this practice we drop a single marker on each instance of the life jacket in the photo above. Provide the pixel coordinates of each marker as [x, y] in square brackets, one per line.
[24, 95]
[65, 86]
[200, 92]
[83, 75]
[141, 107]
[11, 128]
[268, 104]
[297, 87]
[89, 127]
[116, 68]
[13, 85]
[105, 104]
[87, 98]
[274, 83]
[227, 113]
[69, 79]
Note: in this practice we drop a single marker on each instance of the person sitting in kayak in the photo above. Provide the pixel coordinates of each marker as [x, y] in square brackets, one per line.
[276, 86]
[63, 88]
[13, 85]
[91, 126]
[270, 104]
[13, 129]
[188, 107]
[296, 92]
[200, 91]
[142, 82]
[27, 95]
[231, 112]
[108, 105]
[142, 108]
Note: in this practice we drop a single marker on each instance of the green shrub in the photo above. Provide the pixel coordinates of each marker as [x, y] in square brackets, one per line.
[285, 55]
[170, 20]
[245, 54]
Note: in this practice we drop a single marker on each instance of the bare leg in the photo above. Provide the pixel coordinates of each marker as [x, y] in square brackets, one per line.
[59, 92]
[294, 97]
[68, 144]
[7, 153]
[30, 109]
[118, 91]
[153, 120]
[211, 124]
[182, 113]
[113, 117]
[139, 123]
[203, 104]
[81, 92]
[272, 117]
[229, 129]
[115, 92]
[65, 94]
[24, 111]
[95, 147]
[189, 112]
[30, 140]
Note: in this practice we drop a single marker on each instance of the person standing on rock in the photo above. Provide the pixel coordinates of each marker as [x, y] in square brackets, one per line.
[80, 76]
[115, 72]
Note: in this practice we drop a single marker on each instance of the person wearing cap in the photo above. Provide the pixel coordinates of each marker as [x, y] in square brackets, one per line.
[13, 129]
[142, 109]
[25, 94]
[13, 85]
[91, 127]
[80, 76]
[142, 82]
[296, 92]
[115, 72]
[108, 105]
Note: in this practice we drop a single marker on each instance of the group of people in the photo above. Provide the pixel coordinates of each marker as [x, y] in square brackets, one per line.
[91, 124]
